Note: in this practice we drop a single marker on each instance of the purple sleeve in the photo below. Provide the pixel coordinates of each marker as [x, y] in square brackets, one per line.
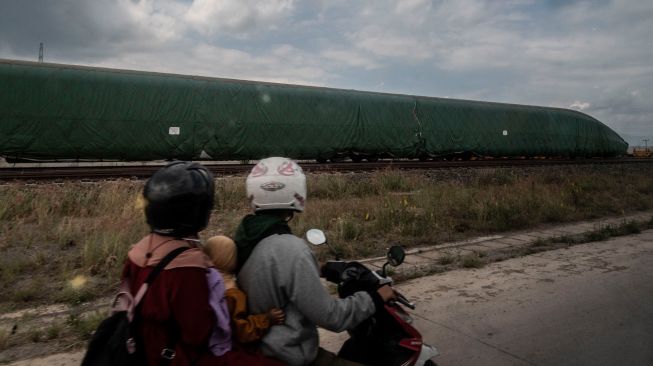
[220, 341]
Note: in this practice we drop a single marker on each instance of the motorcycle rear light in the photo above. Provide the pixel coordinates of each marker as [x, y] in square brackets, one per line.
[411, 343]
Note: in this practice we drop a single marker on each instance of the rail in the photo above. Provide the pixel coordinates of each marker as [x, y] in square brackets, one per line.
[144, 171]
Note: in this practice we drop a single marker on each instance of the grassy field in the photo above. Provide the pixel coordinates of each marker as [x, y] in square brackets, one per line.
[66, 243]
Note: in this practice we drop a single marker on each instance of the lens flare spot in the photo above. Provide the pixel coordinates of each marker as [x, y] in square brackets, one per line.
[78, 282]
[140, 203]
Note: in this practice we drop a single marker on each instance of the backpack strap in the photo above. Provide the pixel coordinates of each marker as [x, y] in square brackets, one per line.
[164, 262]
[168, 353]
[150, 277]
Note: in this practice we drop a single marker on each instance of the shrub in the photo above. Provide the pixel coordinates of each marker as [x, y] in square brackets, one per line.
[472, 261]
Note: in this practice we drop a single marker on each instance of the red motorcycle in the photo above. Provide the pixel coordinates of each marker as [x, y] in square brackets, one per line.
[387, 337]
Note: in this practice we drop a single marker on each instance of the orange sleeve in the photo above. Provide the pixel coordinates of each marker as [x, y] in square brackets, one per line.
[247, 328]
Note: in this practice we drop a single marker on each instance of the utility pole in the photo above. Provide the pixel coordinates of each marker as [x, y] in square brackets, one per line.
[41, 52]
[645, 144]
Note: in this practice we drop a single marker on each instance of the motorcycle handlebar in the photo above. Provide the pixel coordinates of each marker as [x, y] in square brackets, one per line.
[404, 301]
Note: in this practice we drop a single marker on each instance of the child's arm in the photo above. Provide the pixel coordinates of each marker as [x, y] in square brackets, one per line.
[276, 316]
[249, 328]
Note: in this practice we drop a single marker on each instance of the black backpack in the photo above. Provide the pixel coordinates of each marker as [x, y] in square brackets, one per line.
[113, 343]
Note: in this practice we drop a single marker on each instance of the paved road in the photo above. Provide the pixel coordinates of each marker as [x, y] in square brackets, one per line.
[588, 305]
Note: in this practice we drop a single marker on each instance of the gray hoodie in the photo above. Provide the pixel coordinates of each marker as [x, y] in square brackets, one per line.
[282, 272]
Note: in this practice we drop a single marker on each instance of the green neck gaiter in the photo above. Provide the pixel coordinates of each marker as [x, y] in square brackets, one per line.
[253, 229]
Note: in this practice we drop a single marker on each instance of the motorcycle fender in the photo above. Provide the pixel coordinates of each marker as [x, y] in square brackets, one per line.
[426, 354]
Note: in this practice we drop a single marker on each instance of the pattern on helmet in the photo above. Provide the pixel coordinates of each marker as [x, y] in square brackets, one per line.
[299, 199]
[259, 170]
[287, 168]
[272, 186]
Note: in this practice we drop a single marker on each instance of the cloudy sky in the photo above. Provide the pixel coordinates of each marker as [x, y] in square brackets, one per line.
[594, 56]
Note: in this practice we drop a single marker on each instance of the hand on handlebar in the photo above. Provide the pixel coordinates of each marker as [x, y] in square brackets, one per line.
[387, 293]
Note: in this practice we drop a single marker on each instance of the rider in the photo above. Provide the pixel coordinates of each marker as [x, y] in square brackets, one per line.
[183, 316]
[278, 269]
[175, 313]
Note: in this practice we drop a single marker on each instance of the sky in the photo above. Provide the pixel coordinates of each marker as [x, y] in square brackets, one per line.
[592, 56]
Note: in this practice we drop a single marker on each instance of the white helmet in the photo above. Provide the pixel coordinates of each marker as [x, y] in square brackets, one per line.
[276, 184]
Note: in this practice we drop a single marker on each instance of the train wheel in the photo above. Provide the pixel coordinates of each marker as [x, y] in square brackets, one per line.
[372, 159]
[321, 160]
[356, 158]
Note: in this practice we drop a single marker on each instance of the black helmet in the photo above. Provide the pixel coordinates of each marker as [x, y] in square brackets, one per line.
[179, 199]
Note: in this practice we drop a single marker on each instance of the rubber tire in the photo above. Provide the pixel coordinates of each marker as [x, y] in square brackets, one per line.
[430, 363]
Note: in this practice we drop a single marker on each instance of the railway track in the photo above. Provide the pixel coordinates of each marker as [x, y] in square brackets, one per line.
[144, 171]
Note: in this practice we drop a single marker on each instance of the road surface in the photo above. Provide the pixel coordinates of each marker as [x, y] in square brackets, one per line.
[591, 304]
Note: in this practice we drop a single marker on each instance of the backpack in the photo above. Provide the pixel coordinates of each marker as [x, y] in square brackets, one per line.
[113, 342]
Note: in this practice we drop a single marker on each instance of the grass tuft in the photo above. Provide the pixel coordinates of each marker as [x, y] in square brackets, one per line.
[472, 260]
[5, 336]
[446, 259]
[83, 325]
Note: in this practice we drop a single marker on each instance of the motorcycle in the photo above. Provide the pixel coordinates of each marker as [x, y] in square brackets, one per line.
[387, 337]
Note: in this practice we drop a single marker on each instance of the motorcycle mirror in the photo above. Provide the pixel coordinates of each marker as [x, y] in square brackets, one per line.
[396, 255]
[315, 236]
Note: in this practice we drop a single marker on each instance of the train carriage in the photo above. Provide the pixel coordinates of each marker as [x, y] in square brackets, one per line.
[63, 112]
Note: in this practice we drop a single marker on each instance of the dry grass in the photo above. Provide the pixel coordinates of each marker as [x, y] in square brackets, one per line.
[51, 234]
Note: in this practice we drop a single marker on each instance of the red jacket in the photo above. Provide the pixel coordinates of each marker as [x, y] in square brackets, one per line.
[177, 301]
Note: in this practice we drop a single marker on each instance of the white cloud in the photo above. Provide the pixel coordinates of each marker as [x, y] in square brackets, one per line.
[413, 7]
[283, 64]
[581, 106]
[344, 57]
[379, 41]
[240, 17]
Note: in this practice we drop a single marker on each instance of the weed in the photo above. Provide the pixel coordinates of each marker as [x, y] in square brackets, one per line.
[36, 335]
[540, 243]
[30, 290]
[394, 181]
[5, 336]
[496, 177]
[347, 229]
[446, 259]
[600, 234]
[53, 331]
[78, 296]
[568, 239]
[472, 261]
[83, 325]
[631, 227]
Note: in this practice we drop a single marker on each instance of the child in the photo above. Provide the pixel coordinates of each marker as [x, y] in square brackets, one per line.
[246, 328]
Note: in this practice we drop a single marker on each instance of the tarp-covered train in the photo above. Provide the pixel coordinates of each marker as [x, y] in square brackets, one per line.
[52, 111]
